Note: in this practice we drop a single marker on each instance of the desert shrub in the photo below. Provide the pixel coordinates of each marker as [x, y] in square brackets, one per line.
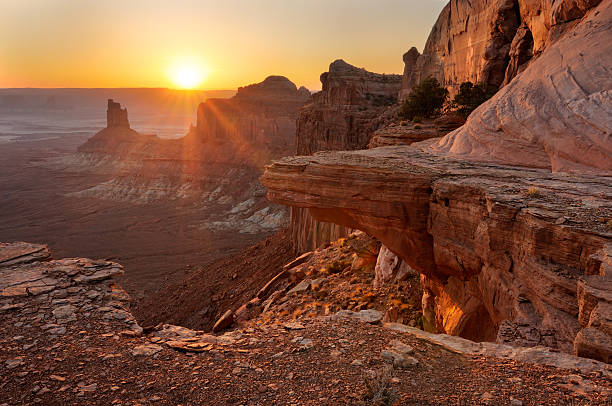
[534, 192]
[425, 100]
[471, 96]
[379, 100]
[379, 389]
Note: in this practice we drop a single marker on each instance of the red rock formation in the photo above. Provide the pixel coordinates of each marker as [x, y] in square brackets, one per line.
[116, 116]
[498, 259]
[557, 113]
[511, 254]
[342, 116]
[255, 125]
[489, 41]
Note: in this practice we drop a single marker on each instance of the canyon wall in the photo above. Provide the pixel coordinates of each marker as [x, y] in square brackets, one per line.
[255, 125]
[557, 114]
[489, 41]
[343, 116]
[506, 254]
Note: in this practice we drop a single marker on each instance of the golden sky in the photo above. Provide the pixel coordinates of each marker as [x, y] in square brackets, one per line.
[144, 43]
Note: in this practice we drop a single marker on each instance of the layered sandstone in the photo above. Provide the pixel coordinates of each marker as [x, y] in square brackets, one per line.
[343, 116]
[489, 41]
[255, 125]
[557, 114]
[502, 250]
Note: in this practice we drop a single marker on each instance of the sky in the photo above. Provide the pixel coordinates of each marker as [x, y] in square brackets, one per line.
[207, 44]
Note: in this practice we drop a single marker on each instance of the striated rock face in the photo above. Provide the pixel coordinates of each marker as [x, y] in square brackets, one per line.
[345, 113]
[501, 249]
[489, 41]
[342, 116]
[257, 123]
[470, 41]
[557, 114]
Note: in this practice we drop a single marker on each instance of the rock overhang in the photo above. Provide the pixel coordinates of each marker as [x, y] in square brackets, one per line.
[503, 241]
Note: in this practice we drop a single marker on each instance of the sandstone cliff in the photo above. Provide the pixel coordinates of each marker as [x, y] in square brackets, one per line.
[342, 116]
[489, 41]
[502, 250]
[255, 125]
[557, 114]
[506, 253]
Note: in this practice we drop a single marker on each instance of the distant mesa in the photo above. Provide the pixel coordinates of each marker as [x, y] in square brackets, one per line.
[254, 126]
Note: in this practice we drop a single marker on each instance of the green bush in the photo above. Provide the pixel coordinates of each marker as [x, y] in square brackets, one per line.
[424, 101]
[471, 96]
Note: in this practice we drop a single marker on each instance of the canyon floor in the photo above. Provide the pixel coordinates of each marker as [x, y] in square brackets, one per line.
[155, 242]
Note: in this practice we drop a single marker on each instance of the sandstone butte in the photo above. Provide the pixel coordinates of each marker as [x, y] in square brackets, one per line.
[508, 218]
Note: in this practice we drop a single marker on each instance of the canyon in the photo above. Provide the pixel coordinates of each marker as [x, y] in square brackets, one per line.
[343, 254]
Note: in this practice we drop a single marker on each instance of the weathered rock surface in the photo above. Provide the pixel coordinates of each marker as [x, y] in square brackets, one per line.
[66, 288]
[342, 116]
[390, 267]
[538, 355]
[78, 344]
[489, 41]
[495, 244]
[22, 253]
[557, 114]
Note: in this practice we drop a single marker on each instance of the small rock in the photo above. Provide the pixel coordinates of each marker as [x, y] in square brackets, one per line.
[224, 321]
[294, 326]
[300, 287]
[399, 361]
[65, 313]
[146, 350]
[14, 363]
[516, 402]
[401, 347]
[357, 363]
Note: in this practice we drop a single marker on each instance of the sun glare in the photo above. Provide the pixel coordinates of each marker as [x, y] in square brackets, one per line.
[187, 76]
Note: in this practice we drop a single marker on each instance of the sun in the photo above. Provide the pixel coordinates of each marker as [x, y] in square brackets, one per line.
[187, 75]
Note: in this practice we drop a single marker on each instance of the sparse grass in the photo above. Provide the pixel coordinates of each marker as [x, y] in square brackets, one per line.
[534, 192]
[379, 389]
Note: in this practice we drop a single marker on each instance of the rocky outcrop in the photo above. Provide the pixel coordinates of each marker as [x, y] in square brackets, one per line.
[116, 116]
[346, 111]
[489, 41]
[343, 116]
[77, 343]
[557, 114]
[256, 125]
[497, 246]
[118, 138]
